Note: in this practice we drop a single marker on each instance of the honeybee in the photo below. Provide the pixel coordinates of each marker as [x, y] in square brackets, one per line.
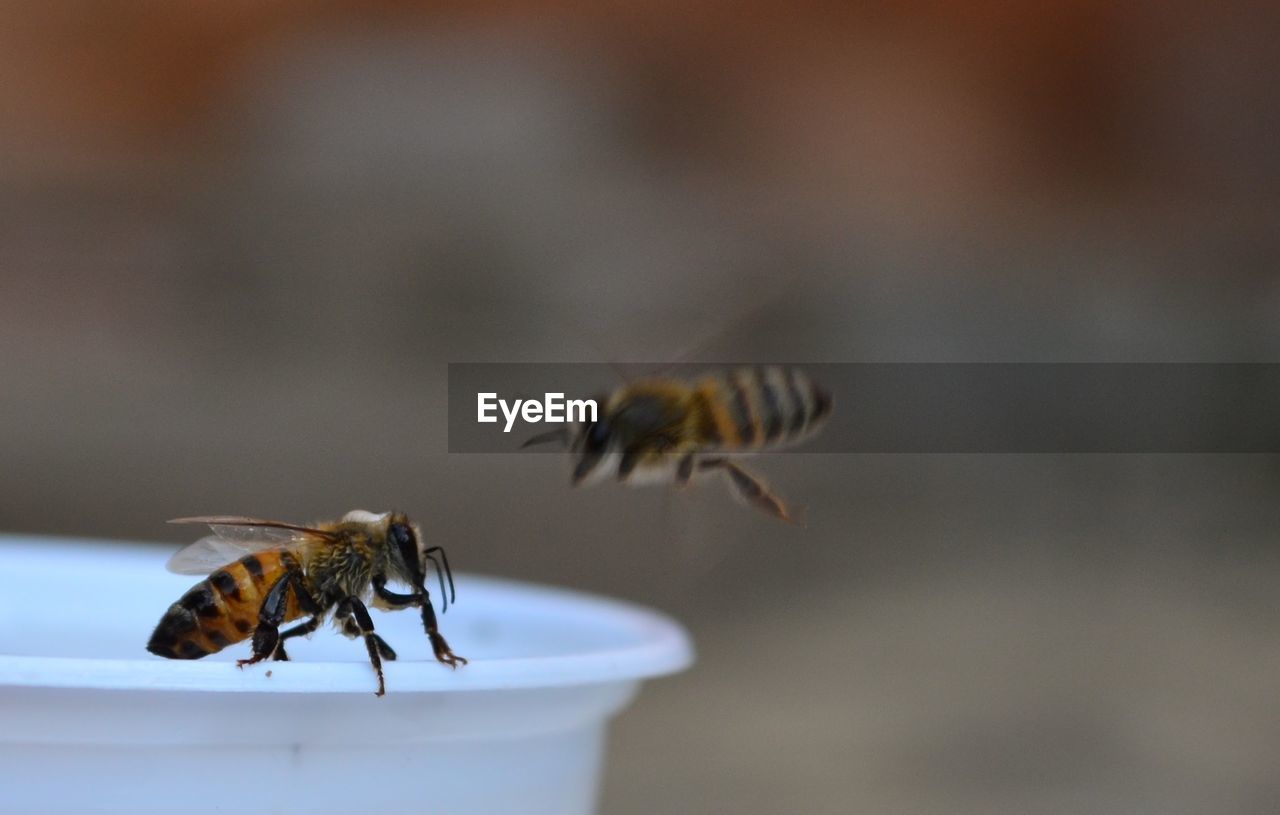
[663, 430]
[264, 573]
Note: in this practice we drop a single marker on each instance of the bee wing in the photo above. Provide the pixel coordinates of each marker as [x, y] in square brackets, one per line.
[234, 537]
[211, 553]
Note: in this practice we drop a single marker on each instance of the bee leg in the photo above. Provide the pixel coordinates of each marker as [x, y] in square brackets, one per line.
[364, 626]
[627, 463]
[751, 488]
[388, 653]
[391, 599]
[684, 470]
[266, 637]
[350, 629]
[300, 630]
[422, 599]
[439, 647]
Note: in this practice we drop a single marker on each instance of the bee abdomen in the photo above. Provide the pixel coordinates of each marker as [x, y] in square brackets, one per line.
[765, 406]
[808, 404]
[222, 609]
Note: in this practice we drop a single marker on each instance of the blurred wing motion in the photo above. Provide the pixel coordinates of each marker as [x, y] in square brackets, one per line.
[234, 537]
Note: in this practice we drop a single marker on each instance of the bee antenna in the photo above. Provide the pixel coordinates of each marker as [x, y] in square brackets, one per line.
[444, 596]
[453, 594]
[559, 435]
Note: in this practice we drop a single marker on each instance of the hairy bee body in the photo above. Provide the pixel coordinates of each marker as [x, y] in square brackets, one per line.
[668, 429]
[650, 425]
[286, 572]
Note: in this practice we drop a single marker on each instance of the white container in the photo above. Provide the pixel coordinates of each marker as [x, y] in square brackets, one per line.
[92, 723]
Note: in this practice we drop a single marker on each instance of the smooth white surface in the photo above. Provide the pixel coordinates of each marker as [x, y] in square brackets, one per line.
[90, 722]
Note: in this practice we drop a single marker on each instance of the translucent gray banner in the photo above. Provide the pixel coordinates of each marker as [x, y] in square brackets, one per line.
[938, 408]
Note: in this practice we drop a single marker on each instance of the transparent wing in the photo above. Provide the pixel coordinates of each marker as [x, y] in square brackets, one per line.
[212, 553]
[234, 537]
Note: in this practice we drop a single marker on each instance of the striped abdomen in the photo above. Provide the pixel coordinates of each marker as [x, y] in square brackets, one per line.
[222, 609]
[761, 407]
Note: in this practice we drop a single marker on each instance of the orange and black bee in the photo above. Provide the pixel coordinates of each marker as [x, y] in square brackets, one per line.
[264, 573]
[667, 430]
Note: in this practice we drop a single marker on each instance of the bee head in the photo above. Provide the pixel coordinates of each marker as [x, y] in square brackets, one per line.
[588, 442]
[591, 446]
[637, 428]
[414, 556]
[404, 543]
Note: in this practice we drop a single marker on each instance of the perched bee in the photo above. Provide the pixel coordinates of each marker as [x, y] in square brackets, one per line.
[264, 573]
[666, 430]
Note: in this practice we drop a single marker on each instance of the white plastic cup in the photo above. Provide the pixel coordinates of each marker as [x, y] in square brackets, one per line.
[92, 723]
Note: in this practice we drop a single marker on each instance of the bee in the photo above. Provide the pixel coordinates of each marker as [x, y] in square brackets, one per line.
[664, 430]
[265, 573]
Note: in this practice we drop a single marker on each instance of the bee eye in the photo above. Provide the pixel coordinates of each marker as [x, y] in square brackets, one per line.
[402, 536]
[597, 436]
[406, 542]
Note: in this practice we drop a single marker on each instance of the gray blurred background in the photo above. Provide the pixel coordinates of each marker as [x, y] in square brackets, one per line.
[241, 242]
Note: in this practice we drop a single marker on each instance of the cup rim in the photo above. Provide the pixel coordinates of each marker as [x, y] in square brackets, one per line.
[658, 644]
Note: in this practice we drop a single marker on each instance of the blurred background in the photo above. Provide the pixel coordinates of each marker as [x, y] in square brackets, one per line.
[240, 242]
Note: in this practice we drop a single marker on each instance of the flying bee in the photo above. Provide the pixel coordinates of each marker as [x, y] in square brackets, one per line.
[264, 573]
[662, 430]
